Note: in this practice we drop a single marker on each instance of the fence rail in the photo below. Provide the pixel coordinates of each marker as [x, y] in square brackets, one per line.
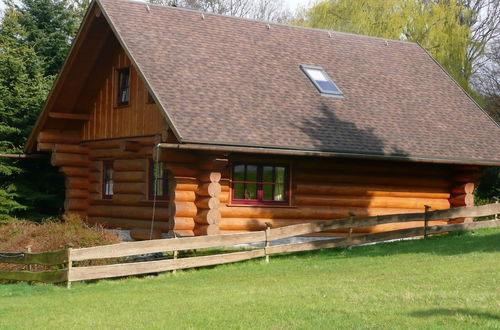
[57, 258]
[47, 276]
[200, 242]
[74, 272]
[26, 258]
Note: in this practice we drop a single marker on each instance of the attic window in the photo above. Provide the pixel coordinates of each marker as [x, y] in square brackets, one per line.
[322, 81]
[123, 86]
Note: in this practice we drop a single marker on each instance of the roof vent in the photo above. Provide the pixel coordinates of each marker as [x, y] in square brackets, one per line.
[329, 34]
[386, 43]
[147, 8]
[268, 26]
[202, 16]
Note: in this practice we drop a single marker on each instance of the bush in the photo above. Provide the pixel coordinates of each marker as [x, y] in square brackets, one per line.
[489, 187]
[54, 235]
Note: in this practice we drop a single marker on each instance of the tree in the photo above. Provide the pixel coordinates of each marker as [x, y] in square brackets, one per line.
[265, 10]
[35, 36]
[50, 26]
[487, 79]
[484, 22]
[437, 25]
[485, 76]
[22, 89]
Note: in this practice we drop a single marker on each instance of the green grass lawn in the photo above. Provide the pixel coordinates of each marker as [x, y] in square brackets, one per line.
[443, 282]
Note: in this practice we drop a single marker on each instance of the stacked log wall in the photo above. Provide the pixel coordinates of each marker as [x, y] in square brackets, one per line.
[328, 189]
[183, 183]
[199, 194]
[73, 161]
[130, 206]
[182, 205]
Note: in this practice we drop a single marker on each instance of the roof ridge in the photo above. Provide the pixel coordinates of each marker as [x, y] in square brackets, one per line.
[264, 22]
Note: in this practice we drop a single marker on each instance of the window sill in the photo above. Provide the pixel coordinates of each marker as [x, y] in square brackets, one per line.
[261, 205]
[143, 202]
[121, 106]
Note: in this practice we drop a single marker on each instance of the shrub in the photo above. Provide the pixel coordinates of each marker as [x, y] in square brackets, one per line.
[489, 187]
[52, 235]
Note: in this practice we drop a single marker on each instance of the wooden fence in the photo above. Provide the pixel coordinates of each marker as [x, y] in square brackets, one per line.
[58, 259]
[73, 272]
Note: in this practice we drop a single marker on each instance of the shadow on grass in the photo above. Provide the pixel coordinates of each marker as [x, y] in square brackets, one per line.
[455, 312]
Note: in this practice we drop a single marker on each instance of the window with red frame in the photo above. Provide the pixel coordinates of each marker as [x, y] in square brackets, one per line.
[260, 184]
[107, 179]
[158, 181]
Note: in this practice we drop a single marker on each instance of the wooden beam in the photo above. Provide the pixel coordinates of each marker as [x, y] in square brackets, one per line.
[32, 156]
[67, 115]
[214, 163]
[132, 146]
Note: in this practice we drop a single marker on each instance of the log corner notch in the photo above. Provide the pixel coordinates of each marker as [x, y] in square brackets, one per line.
[208, 217]
[465, 180]
[194, 191]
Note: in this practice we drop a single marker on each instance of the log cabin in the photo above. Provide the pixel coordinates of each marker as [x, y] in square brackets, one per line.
[167, 120]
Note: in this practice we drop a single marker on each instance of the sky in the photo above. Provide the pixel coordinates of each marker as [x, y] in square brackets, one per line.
[293, 4]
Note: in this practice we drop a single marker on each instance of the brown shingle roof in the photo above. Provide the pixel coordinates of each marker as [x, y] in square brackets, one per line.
[233, 81]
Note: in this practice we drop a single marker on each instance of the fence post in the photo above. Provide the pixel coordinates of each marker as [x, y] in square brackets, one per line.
[69, 264]
[496, 202]
[266, 246]
[28, 250]
[30, 267]
[426, 219]
[176, 253]
[349, 232]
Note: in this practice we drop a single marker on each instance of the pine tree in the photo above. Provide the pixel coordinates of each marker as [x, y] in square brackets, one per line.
[35, 36]
[50, 26]
[22, 89]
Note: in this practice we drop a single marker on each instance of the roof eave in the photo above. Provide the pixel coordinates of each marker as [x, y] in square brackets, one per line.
[326, 154]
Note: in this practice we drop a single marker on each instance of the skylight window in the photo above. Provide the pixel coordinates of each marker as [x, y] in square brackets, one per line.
[320, 79]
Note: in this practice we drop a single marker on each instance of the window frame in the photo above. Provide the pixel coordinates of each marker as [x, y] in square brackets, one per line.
[105, 165]
[118, 90]
[151, 182]
[322, 91]
[259, 182]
